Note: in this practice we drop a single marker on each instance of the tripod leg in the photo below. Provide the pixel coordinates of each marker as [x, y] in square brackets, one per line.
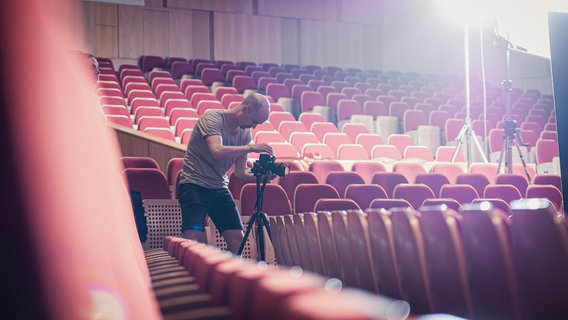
[523, 161]
[247, 233]
[501, 156]
[260, 235]
[478, 145]
[460, 142]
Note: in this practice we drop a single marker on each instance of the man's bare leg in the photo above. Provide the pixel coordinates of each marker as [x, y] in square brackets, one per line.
[234, 238]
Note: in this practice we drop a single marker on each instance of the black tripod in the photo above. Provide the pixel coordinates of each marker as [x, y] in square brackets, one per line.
[258, 217]
[512, 132]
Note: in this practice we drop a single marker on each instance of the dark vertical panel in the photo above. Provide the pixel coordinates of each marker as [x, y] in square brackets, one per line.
[558, 29]
[290, 34]
[201, 35]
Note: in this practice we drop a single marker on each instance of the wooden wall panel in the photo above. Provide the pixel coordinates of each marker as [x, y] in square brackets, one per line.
[313, 9]
[180, 38]
[290, 34]
[156, 32]
[252, 38]
[332, 44]
[235, 6]
[130, 35]
[201, 35]
[376, 12]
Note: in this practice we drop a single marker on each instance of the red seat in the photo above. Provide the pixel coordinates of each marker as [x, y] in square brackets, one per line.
[150, 182]
[306, 196]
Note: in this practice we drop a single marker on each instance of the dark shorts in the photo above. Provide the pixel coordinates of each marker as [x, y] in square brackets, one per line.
[197, 202]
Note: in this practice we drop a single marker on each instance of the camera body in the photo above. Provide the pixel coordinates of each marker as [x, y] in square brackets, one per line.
[267, 163]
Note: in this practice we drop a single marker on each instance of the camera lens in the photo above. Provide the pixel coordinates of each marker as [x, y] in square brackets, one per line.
[280, 169]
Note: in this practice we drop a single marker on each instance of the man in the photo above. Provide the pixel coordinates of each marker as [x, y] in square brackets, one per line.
[220, 139]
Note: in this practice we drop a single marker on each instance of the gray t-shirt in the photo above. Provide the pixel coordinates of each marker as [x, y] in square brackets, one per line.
[199, 166]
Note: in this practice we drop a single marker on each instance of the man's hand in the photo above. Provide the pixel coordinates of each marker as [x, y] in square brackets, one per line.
[261, 148]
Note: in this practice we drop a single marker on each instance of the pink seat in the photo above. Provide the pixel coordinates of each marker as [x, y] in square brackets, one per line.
[150, 182]
[484, 232]
[386, 153]
[317, 151]
[286, 128]
[519, 181]
[388, 181]
[450, 170]
[539, 245]
[433, 180]
[325, 204]
[210, 75]
[269, 136]
[489, 170]
[366, 169]
[163, 133]
[367, 140]
[364, 194]
[354, 129]
[276, 117]
[306, 196]
[153, 122]
[276, 201]
[346, 108]
[295, 178]
[243, 82]
[400, 141]
[449, 202]
[415, 194]
[308, 118]
[299, 139]
[546, 150]
[310, 99]
[553, 179]
[321, 128]
[334, 140]
[205, 105]
[446, 153]
[476, 180]
[179, 113]
[340, 180]
[277, 91]
[388, 204]
[418, 152]
[409, 169]
[497, 203]
[507, 192]
[462, 193]
[549, 192]
[120, 120]
[375, 109]
[139, 162]
[322, 167]
[351, 152]
[284, 150]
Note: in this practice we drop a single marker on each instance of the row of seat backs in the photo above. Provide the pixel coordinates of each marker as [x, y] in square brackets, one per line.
[438, 259]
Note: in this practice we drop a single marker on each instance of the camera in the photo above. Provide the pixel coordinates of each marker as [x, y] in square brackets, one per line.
[267, 163]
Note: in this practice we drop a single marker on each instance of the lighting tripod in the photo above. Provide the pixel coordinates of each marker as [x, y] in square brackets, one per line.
[259, 218]
[512, 132]
[467, 130]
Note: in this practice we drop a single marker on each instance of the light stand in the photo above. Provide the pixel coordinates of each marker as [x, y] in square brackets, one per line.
[467, 130]
[512, 132]
[258, 217]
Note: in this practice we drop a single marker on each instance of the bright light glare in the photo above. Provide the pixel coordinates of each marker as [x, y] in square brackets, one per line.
[469, 12]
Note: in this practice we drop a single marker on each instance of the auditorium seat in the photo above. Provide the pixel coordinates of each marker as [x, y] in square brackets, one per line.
[276, 201]
[400, 141]
[367, 140]
[243, 83]
[539, 249]
[446, 153]
[462, 193]
[497, 203]
[507, 192]
[433, 180]
[489, 170]
[276, 117]
[329, 255]
[415, 194]
[284, 150]
[139, 162]
[325, 204]
[321, 168]
[307, 194]
[386, 153]
[294, 178]
[150, 182]
[179, 113]
[449, 202]
[366, 169]
[354, 129]
[421, 153]
[317, 151]
[308, 118]
[320, 129]
[445, 260]
[120, 120]
[485, 233]
[340, 180]
[412, 264]
[286, 128]
[549, 192]
[409, 169]
[551, 178]
[269, 136]
[388, 181]
[299, 139]
[517, 180]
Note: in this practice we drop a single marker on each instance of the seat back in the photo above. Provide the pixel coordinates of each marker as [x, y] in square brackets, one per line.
[388, 181]
[415, 194]
[150, 182]
[306, 196]
[275, 201]
[364, 194]
[366, 169]
[462, 193]
[327, 241]
[433, 180]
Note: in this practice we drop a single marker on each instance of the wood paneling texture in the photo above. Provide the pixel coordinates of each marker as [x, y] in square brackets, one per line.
[236, 6]
[130, 26]
[240, 37]
[134, 143]
[180, 24]
[156, 33]
[301, 9]
[332, 44]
